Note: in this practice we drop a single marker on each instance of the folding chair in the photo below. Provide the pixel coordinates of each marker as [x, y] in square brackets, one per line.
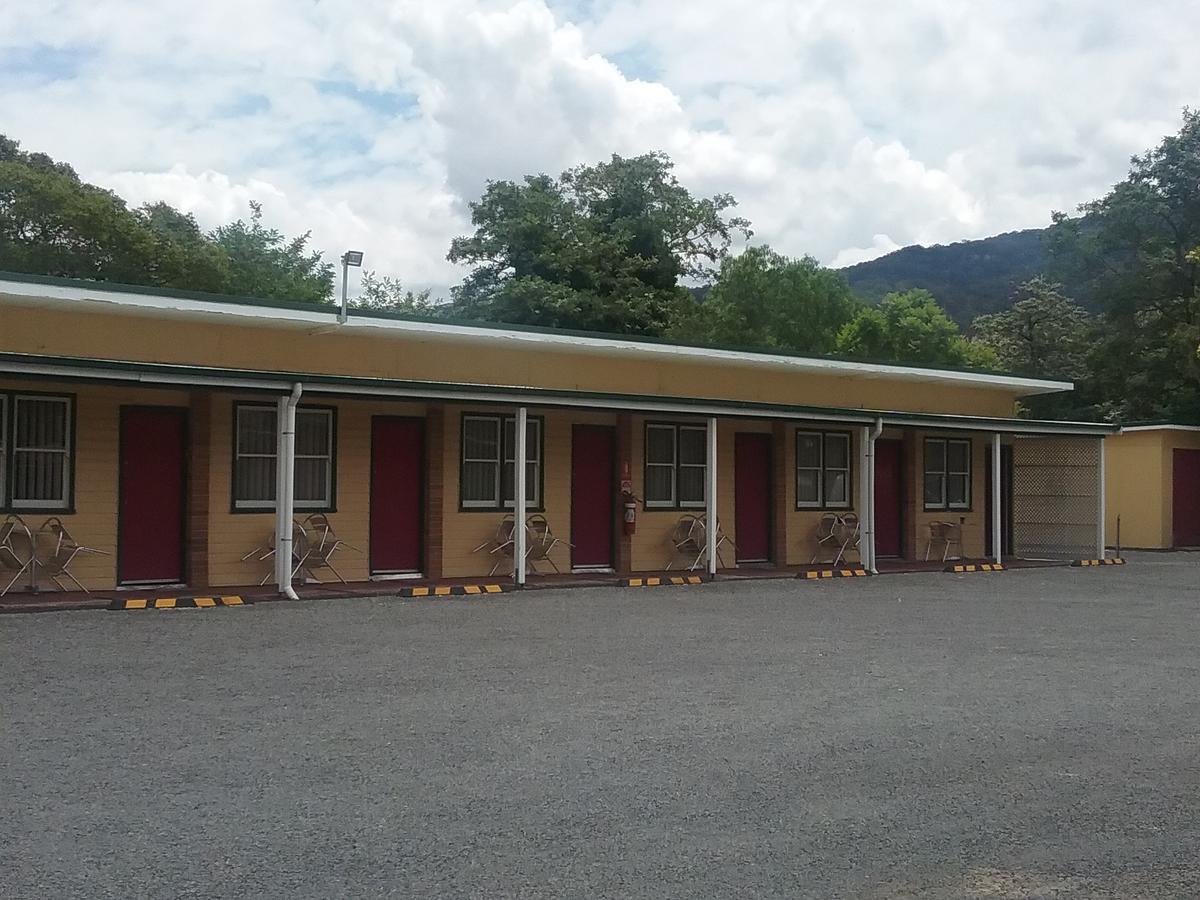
[300, 544]
[827, 535]
[57, 564]
[948, 534]
[541, 542]
[687, 540]
[722, 540]
[320, 543]
[850, 535]
[502, 544]
[17, 551]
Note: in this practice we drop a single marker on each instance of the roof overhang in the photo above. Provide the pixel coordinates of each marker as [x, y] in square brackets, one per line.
[85, 296]
[182, 377]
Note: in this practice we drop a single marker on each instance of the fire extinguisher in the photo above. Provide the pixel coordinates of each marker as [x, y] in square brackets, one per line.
[629, 516]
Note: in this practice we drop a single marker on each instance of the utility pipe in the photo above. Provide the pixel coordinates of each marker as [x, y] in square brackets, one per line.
[519, 532]
[285, 488]
[997, 504]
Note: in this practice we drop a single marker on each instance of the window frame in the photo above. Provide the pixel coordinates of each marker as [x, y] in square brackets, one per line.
[944, 505]
[260, 507]
[676, 465]
[8, 451]
[822, 502]
[500, 504]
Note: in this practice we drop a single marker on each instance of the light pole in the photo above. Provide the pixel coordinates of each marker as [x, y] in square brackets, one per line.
[349, 258]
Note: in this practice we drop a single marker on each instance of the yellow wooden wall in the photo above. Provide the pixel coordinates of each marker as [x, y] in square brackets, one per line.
[512, 362]
[1138, 484]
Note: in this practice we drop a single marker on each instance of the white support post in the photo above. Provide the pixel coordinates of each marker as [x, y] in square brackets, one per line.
[866, 528]
[519, 534]
[710, 496]
[285, 488]
[1100, 541]
[997, 503]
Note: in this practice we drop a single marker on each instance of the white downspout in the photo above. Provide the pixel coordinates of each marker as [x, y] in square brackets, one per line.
[997, 504]
[710, 497]
[285, 488]
[520, 439]
[1101, 549]
[876, 430]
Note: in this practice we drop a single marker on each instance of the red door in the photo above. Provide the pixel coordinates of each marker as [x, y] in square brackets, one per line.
[1185, 498]
[397, 474]
[752, 496]
[153, 470]
[887, 498]
[593, 454]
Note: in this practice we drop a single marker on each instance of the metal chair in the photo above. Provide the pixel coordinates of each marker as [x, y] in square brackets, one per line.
[948, 534]
[502, 544]
[17, 551]
[850, 530]
[826, 535]
[57, 563]
[320, 542]
[687, 539]
[541, 541]
[263, 552]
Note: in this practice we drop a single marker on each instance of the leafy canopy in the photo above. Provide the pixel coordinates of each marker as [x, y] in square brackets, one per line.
[763, 299]
[910, 327]
[599, 248]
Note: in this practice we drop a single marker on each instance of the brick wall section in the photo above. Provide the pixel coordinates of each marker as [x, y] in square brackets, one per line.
[779, 493]
[199, 461]
[624, 543]
[435, 489]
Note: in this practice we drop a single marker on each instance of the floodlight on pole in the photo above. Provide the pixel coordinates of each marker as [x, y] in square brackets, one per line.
[349, 258]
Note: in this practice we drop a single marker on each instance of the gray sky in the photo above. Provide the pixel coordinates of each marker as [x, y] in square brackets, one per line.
[845, 129]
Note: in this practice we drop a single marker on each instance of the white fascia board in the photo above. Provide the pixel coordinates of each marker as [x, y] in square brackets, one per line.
[1014, 427]
[1126, 429]
[155, 304]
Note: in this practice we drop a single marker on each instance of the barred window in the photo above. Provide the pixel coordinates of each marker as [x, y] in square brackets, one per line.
[255, 463]
[489, 451]
[39, 462]
[947, 473]
[822, 470]
[676, 465]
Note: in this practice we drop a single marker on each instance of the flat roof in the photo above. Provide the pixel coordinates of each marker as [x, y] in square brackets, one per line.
[135, 299]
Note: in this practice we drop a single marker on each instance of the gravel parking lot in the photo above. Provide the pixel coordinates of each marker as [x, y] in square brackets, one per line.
[1024, 734]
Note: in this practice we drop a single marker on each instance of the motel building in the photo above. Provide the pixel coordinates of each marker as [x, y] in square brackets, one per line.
[183, 439]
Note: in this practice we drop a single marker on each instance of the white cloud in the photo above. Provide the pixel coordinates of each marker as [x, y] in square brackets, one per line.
[844, 130]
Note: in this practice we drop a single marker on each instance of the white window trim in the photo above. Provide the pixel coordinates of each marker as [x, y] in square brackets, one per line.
[323, 505]
[64, 501]
[533, 455]
[495, 461]
[669, 502]
[945, 472]
[703, 467]
[822, 502]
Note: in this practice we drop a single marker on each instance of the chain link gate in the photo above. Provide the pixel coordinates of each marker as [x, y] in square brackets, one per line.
[1056, 497]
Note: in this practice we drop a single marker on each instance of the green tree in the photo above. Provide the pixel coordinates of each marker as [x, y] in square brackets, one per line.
[1133, 249]
[385, 292]
[265, 263]
[910, 327]
[763, 299]
[52, 223]
[181, 254]
[600, 248]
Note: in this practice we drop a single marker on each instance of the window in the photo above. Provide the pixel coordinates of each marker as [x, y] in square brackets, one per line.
[489, 452]
[35, 451]
[947, 473]
[676, 465]
[822, 469]
[255, 461]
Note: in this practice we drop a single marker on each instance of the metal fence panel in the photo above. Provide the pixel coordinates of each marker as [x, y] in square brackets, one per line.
[1055, 497]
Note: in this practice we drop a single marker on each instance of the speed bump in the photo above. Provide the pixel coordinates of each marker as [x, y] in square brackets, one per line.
[454, 590]
[961, 569]
[1113, 561]
[813, 574]
[663, 581]
[178, 602]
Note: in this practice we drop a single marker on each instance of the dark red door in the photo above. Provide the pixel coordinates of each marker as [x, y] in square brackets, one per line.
[153, 481]
[752, 496]
[1185, 498]
[593, 451]
[397, 474]
[887, 498]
